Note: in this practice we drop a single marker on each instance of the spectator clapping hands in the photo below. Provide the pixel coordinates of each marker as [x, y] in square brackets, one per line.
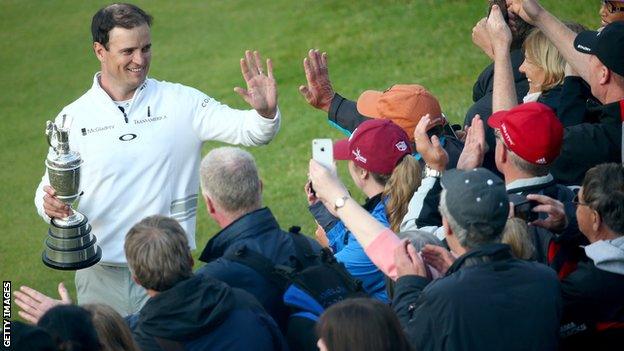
[474, 147]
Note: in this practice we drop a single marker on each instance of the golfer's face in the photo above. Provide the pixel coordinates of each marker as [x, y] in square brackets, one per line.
[127, 60]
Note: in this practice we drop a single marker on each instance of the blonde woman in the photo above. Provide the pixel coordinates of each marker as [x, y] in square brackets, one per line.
[544, 66]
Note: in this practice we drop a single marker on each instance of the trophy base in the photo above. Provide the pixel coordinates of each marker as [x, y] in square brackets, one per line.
[71, 247]
[72, 266]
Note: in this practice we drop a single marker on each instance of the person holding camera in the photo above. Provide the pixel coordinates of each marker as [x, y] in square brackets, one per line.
[381, 166]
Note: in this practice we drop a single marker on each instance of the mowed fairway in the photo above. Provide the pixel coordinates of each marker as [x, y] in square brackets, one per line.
[46, 62]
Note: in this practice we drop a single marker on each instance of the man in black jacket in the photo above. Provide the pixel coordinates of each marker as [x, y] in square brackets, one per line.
[232, 191]
[186, 311]
[528, 141]
[487, 299]
[597, 59]
[593, 309]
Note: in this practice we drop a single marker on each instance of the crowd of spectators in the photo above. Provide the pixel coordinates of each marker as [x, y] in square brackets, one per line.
[503, 234]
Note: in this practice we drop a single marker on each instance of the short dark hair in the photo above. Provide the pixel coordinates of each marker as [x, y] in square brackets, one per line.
[158, 253]
[126, 16]
[603, 191]
[361, 324]
[71, 328]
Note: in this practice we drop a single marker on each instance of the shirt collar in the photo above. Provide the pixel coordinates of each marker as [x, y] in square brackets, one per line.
[525, 182]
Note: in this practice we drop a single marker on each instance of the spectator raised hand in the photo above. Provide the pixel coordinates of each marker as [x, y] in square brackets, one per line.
[261, 92]
[318, 92]
[34, 304]
[474, 147]
[481, 38]
[429, 148]
[498, 31]
[528, 10]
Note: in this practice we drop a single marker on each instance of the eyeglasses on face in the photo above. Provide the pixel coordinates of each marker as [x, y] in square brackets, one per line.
[577, 202]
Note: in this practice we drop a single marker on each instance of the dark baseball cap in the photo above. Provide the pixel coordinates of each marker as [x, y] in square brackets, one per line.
[477, 200]
[377, 145]
[606, 44]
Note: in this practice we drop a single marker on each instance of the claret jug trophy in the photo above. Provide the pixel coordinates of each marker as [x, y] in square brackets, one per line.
[69, 244]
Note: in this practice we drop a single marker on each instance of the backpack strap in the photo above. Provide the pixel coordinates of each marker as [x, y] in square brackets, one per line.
[262, 265]
[303, 248]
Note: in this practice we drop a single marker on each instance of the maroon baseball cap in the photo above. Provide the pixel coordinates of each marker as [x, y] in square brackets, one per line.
[377, 145]
[532, 131]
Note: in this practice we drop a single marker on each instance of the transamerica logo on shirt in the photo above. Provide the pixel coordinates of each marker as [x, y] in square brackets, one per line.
[149, 120]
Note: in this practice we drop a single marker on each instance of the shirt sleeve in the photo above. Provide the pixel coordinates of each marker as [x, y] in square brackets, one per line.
[380, 251]
[422, 210]
[343, 114]
[213, 120]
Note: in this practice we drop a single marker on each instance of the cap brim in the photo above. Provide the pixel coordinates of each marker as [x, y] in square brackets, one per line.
[496, 119]
[585, 42]
[367, 103]
[341, 150]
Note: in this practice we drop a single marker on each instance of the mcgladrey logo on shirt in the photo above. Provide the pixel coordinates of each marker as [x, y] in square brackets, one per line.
[86, 131]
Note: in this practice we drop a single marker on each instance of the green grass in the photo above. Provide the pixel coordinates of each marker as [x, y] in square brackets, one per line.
[47, 62]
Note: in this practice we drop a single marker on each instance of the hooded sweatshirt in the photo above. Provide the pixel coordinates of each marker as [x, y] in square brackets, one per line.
[593, 307]
[201, 313]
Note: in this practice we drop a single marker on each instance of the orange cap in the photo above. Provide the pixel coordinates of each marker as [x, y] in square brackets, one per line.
[403, 104]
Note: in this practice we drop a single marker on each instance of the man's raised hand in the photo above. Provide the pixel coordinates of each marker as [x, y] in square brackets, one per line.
[528, 10]
[481, 38]
[34, 304]
[261, 92]
[499, 31]
[319, 92]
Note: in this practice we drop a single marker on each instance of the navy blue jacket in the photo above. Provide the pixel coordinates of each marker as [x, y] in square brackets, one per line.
[201, 313]
[487, 300]
[260, 232]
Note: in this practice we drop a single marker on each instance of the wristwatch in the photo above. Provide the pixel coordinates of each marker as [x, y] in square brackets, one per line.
[430, 172]
[340, 202]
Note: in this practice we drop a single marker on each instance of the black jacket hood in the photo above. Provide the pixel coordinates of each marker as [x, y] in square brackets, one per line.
[191, 308]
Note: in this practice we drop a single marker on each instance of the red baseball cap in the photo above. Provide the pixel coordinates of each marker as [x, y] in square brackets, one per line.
[377, 145]
[532, 131]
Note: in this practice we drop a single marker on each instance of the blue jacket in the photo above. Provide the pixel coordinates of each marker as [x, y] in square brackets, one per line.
[260, 232]
[201, 313]
[348, 250]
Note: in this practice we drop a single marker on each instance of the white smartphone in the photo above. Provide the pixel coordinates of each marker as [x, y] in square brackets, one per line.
[323, 152]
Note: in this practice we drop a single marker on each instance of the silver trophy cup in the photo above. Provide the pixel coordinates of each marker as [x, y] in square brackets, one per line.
[69, 244]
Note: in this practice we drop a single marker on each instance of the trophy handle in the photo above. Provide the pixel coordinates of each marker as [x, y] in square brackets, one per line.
[51, 133]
